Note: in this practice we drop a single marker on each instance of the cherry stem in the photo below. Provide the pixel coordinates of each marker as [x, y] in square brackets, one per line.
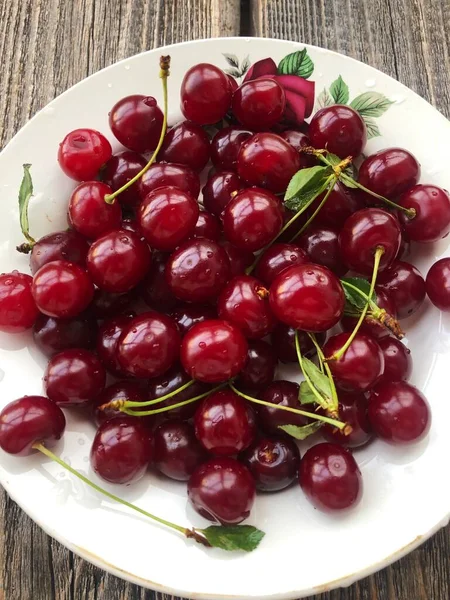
[118, 404]
[326, 366]
[316, 212]
[296, 411]
[164, 73]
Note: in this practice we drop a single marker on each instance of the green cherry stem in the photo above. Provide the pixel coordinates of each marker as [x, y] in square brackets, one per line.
[118, 404]
[318, 209]
[164, 73]
[326, 366]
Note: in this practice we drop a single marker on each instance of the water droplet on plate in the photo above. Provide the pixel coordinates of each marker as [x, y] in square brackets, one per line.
[371, 83]
[127, 67]
[319, 74]
[81, 441]
[85, 458]
[397, 98]
[110, 85]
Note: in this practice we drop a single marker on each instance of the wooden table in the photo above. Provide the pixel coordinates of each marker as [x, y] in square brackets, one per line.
[48, 45]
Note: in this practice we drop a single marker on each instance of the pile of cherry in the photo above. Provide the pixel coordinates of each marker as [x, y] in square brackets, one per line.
[186, 306]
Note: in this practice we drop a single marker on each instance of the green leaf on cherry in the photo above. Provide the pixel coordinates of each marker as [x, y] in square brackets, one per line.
[355, 298]
[306, 185]
[25, 193]
[348, 181]
[371, 127]
[371, 104]
[319, 380]
[305, 394]
[339, 91]
[301, 432]
[233, 537]
[324, 99]
[297, 63]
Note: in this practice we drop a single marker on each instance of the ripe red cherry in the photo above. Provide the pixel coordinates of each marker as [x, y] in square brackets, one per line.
[88, 212]
[119, 170]
[121, 450]
[404, 285]
[389, 172]
[198, 270]
[308, 297]
[281, 393]
[107, 304]
[222, 490]
[259, 104]
[224, 423]
[277, 259]
[273, 462]
[55, 335]
[62, 245]
[162, 174]
[339, 129]
[299, 140]
[239, 259]
[137, 121]
[74, 377]
[120, 390]
[213, 351]
[321, 245]
[154, 288]
[118, 261]
[364, 232]
[62, 289]
[330, 477]
[341, 203]
[432, 206]
[397, 360]
[186, 144]
[177, 451]
[399, 413]
[225, 147]
[244, 302]
[219, 190]
[438, 284]
[205, 94]
[283, 343]
[18, 310]
[167, 216]
[207, 226]
[107, 340]
[353, 411]
[259, 370]
[149, 345]
[361, 365]
[267, 160]
[30, 420]
[252, 219]
[370, 325]
[82, 153]
[188, 315]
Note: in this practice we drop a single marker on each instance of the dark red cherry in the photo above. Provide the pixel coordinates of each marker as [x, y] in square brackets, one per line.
[62, 245]
[62, 289]
[167, 216]
[341, 203]
[372, 326]
[188, 315]
[149, 345]
[119, 170]
[120, 390]
[321, 245]
[283, 343]
[330, 477]
[107, 304]
[225, 147]
[308, 297]
[282, 393]
[299, 140]
[276, 259]
[397, 360]
[88, 212]
[154, 289]
[107, 339]
[163, 174]
[389, 172]
[259, 370]
[213, 351]
[198, 270]
[205, 94]
[361, 365]
[208, 226]
[273, 462]
[137, 121]
[18, 310]
[55, 335]
[222, 490]
[438, 284]
[186, 144]
[233, 83]
[219, 190]
[177, 451]
[339, 129]
[432, 219]
[404, 285]
[82, 153]
[259, 104]
[30, 420]
[74, 377]
[405, 247]
[399, 413]
[239, 259]
[353, 411]
[122, 450]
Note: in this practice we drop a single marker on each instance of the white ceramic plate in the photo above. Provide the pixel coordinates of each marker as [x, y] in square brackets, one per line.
[407, 491]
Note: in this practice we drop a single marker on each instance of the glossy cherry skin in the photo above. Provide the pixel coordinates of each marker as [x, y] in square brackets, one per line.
[330, 477]
[207, 226]
[219, 190]
[120, 390]
[273, 462]
[252, 219]
[308, 297]
[432, 206]
[224, 423]
[107, 304]
[389, 172]
[177, 451]
[339, 129]
[62, 245]
[259, 104]
[397, 360]
[30, 420]
[121, 450]
[283, 393]
[353, 411]
[341, 203]
[119, 170]
[205, 94]
[361, 365]
[162, 174]
[222, 490]
[167, 216]
[259, 370]
[299, 140]
[149, 345]
[438, 284]
[405, 286]
[188, 315]
[154, 289]
[239, 259]
[82, 153]
[186, 144]
[321, 244]
[276, 259]
[55, 335]
[62, 289]
[399, 413]
[107, 340]
[18, 311]
[213, 351]
[283, 343]
[370, 325]
[198, 270]
[118, 261]
[364, 232]
[88, 212]
[268, 161]
[225, 147]
[137, 121]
